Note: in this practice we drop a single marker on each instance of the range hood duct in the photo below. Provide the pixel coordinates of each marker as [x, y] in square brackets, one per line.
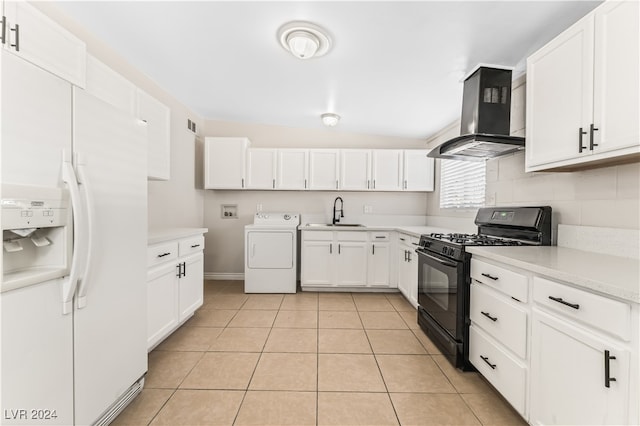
[485, 121]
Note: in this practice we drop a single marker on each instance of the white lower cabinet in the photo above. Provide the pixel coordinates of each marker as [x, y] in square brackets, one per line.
[174, 285]
[344, 259]
[408, 267]
[558, 353]
[580, 357]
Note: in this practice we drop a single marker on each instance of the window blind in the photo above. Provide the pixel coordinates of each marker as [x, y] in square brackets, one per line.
[462, 184]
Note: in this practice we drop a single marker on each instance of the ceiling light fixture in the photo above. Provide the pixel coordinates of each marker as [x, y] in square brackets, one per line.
[304, 40]
[329, 119]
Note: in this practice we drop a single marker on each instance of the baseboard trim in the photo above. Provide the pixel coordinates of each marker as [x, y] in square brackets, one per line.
[231, 276]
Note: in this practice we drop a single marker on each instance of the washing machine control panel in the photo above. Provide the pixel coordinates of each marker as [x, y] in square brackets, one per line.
[262, 218]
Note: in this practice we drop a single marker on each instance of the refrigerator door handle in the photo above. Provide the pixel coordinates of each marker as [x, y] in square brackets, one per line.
[69, 286]
[81, 297]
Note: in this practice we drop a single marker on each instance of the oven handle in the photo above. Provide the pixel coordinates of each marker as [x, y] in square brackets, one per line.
[440, 261]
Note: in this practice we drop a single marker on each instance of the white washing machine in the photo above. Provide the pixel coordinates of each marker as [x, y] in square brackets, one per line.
[270, 263]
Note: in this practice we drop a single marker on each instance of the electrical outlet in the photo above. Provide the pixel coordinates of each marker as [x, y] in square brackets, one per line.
[490, 199]
[258, 208]
[368, 209]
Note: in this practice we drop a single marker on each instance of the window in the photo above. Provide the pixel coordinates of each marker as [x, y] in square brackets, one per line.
[462, 184]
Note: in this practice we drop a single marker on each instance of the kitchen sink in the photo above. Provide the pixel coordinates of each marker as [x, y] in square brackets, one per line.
[335, 224]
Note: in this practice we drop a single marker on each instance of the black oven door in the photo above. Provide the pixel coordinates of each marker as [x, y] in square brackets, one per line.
[441, 292]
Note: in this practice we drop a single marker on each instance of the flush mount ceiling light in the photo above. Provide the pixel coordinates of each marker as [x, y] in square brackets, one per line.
[304, 40]
[329, 119]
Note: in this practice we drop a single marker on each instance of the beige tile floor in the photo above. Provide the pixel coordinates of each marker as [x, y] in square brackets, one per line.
[308, 359]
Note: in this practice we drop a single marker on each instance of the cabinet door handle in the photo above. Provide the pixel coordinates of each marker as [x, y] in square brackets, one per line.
[488, 315]
[179, 270]
[580, 134]
[243, 182]
[405, 184]
[380, 236]
[184, 269]
[305, 184]
[336, 184]
[405, 255]
[338, 248]
[491, 277]
[559, 300]
[592, 129]
[274, 184]
[408, 255]
[402, 239]
[607, 377]
[164, 254]
[373, 249]
[374, 184]
[17, 31]
[486, 359]
[330, 248]
[195, 245]
[368, 182]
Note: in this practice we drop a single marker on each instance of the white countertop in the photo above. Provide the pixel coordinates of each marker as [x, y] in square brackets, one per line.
[614, 276]
[416, 231]
[155, 236]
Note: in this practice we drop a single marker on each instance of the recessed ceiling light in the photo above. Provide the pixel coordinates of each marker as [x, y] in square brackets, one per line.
[329, 119]
[304, 40]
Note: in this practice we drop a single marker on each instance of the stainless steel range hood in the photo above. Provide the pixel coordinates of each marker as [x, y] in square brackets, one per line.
[485, 121]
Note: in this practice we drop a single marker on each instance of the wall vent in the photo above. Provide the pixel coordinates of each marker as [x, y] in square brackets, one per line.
[191, 125]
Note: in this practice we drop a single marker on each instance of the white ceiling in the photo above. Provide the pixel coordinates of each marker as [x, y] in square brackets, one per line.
[395, 67]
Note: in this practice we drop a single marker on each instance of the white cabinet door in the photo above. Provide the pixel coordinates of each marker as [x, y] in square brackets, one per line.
[317, 263]
[261, 168]
[36, 38]
[560, 96]
[378, 265]
[616, 105]
[106, 84]
[568, 373]
[418, 170]
[293, 167]
[162, 309]
[158, 119]
[323, 169]
[355, 169]
[190, 286]
[224, 162]
[387, 170]
[351, 264]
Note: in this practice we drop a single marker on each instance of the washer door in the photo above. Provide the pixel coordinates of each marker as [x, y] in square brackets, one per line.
[270, 250]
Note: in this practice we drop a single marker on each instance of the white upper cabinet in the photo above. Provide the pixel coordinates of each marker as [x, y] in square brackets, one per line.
[386, 171]
[224, 162]
[158, 119]
[355, 169]
[418, 170]
[293, 169]
[323, 169]
[261, 168]
[36, 38]
[583, 92]
[109, 86]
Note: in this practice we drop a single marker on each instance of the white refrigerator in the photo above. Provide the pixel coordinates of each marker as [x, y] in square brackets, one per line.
[74, 218]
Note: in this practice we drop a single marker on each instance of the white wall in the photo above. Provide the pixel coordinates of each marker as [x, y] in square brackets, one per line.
[177, 202]
[604, 197]
[225, 240]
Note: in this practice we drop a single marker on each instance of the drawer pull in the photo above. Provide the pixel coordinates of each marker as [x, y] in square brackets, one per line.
[559, 300]
[607, 378]
[486, 359]
[380, 236]
[195, 245]
[164, 254]
[486, 314]
[491, 277]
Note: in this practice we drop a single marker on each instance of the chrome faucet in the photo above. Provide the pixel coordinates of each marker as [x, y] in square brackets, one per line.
[334, 221]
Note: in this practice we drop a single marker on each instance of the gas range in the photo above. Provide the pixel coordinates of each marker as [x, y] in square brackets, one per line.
[444, 272]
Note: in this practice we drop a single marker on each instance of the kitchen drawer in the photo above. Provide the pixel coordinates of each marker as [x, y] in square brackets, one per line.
[317, 235]
[408, 239]
[505, 373]
[191, 245]
[508, 282]
[500, 317]
[609, 315]
[160, 253]
[351, 236]
[379, 236]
